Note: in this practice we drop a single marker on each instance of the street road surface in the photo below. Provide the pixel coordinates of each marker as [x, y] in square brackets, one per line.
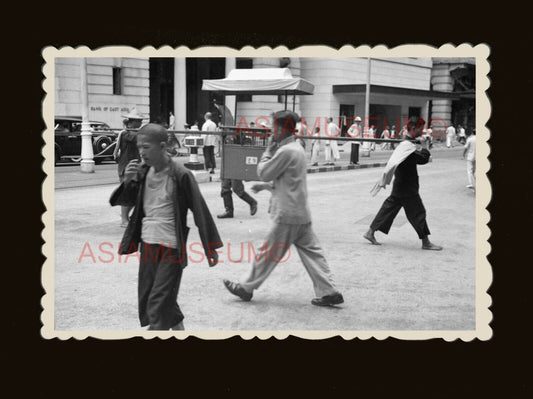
[395, 286]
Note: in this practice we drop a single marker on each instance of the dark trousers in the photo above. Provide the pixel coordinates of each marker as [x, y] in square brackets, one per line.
[160, 273]
[228, 185]
[209, 157]
[237, 186]
[414, 210]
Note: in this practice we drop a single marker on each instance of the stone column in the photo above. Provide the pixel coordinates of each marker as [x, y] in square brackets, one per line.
[425, 112]
[180, 92]
[87, 155]
[441, 80]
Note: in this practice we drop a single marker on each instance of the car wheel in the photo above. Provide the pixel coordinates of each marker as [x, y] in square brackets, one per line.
[101, 144]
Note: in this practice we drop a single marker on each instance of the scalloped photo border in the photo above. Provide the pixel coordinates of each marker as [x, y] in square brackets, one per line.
[483, 274]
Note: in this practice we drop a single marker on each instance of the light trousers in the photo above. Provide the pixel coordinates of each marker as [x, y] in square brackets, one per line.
[471, 172]
[331, 149]
[276, 251]
[315, 152]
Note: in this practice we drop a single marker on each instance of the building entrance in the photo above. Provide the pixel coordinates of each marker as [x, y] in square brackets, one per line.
[198, 101]
[161, 89]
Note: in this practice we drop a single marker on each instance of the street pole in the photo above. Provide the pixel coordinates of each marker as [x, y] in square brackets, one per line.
[366, 148]
[87, 155]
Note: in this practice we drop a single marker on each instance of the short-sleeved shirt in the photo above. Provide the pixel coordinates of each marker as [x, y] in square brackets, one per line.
[209, 139]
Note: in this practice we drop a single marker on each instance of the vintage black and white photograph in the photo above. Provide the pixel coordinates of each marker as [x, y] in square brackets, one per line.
[266, 192]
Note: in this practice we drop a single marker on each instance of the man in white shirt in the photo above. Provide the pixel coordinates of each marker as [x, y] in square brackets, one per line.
[470, 154]
[355, 131]
[210, 141]
[331, 148]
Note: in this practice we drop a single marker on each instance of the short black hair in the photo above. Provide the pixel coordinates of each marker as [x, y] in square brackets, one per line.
[287, 120]
[154, 133]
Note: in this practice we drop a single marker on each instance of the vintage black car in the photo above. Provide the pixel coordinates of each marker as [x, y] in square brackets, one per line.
[68, 139]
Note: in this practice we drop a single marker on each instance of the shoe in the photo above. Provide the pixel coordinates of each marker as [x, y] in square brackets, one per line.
[253, 209]
[328, 300]
[212, 172]
[225, 215]
[315, 164]
[236, 289]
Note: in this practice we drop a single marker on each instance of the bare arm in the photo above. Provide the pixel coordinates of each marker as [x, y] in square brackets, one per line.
[117, 146]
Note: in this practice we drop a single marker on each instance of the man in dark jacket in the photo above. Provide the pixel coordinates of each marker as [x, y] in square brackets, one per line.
[162, 192]
[403, 166]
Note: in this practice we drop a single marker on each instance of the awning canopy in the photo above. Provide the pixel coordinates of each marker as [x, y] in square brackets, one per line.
[388, 90]
[275, 81]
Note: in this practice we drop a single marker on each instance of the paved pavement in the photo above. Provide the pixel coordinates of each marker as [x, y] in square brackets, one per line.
[69, 175]
[395, 286]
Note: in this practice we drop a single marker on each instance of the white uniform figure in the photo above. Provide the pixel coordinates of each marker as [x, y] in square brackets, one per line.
[450, 136]
[331, 148]
[315, 148]
[470, 155]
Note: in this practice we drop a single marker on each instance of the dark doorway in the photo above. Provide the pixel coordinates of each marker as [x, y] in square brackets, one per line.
[161, 89]
[384, 115]
[346, 113]
[198, 101]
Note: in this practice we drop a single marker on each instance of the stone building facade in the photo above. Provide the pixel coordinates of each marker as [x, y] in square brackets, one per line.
[115, 86]
[400, 88]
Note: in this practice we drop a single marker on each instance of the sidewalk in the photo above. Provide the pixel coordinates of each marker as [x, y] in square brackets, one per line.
[106, 174]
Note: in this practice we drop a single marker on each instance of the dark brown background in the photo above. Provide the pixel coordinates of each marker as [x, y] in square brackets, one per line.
[294, 366]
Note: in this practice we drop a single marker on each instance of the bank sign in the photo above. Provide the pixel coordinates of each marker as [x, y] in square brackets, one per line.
[112, 114]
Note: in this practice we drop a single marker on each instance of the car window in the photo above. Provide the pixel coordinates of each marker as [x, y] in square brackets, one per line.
[62, 126]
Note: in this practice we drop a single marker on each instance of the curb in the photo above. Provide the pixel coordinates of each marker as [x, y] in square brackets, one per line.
[205, 177]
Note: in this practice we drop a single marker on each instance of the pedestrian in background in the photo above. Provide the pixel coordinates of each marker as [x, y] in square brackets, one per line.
[450, 135]
[210, 141]
[162, 192]
[470, 154]
[372, 134]
[461, 134]
[385, 135]
[315, 147]
[427, 134]
[393, 135]
[284, 164]
[331, 152]
[126, 150]
[171, 121]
